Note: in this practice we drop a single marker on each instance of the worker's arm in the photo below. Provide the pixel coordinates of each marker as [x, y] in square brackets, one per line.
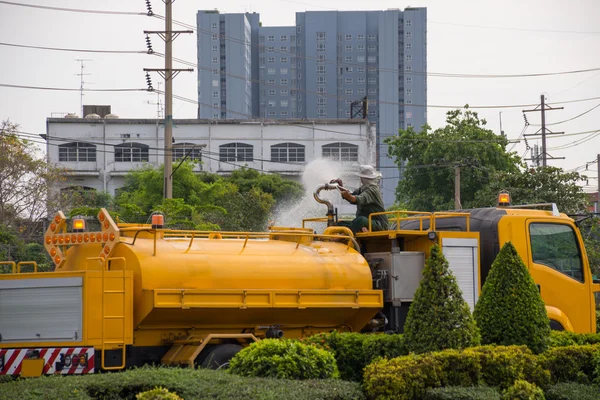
[346, 194]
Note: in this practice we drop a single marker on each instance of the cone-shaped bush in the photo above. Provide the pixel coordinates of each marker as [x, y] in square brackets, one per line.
[510, 309]
[439, 318]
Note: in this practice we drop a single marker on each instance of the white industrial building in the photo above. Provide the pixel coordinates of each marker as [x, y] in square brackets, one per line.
[99, 152]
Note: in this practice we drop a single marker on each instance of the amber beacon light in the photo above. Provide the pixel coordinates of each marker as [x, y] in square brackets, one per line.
[158, 221]
[78, 225]
[503, 199]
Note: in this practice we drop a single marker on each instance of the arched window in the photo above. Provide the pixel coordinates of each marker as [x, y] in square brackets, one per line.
[77, 151]
[288, 152]
[341, 151]
[131, 152]
[236, 152]
[193, 151]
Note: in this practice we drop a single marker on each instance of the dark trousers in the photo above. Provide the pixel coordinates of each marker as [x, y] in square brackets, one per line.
[358, 223]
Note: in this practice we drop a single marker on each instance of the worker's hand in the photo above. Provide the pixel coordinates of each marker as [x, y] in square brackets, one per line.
[346, 194]
[337, 180]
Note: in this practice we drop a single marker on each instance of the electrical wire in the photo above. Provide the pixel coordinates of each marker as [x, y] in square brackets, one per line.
[70, 89]
[392, 70]
[78, 10]
[571, 119]
[74, 50]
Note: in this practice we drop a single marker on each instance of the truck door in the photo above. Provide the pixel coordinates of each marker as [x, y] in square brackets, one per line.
[561, 272]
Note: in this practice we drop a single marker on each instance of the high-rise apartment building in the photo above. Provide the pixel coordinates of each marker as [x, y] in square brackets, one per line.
[317, 68]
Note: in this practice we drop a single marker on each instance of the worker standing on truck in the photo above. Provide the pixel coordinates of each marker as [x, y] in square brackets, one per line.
[367, 199]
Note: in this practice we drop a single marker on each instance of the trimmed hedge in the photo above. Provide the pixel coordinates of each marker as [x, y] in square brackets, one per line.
[439, 318]
[572, 391]
[510, 309]
[354, 351]
[409, 377]
[523, 390]
[186, 383]
[284, 359]
[157, 394]
[462, 393]
[571, 363]
[564, 338]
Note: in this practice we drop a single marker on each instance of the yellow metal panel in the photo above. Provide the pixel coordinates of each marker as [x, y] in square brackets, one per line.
[32, 367]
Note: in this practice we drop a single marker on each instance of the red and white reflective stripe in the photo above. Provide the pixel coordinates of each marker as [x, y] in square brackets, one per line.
[57, 360]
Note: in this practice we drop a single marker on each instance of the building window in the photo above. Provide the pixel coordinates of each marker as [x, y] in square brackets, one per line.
[215, 72]
[408, 57]
[271, 60]
[284, 114]
[192, 151]
[348, 80]
[236, 152]
[285, 92]
[215, 48]
[321, 90]
[360, 81]
[298, 28]
[215, 37]
[372, 81]
[271, 38]
[347, 113]
[348, 59]
[214, 25]
[321, 57]
[283, 38]
[360, 37]
[372, 47]
[408, 80]
[408, 35]
[271, 81]
[283, 49]
[288, 152]
[321, 101]
[360, 70]
[283, 71]
[270, 49]
[348, 48]
[341, 151]
[372, 59]
[271, 71]
[408, 114]
[372, 38]
[320, 35]
[372, 91]
[348, 37]
[272, 103]
[409, 92]
[215, 95]
[409, 125]
[408, 68]
[360, 59]
[408, 46]
[77, 151]
[321, 80]
[284, 103]
[272, 114]
[131, 152]
[360, 47]
[261, 39]
[272, 92]
[408, 102]
[348, 91]
[372, 69]
[284, 81]
[320, 46]
[321, 69]
[215, 60]
[321, 112]
[283, 59]
[408, 22]
[360, 91]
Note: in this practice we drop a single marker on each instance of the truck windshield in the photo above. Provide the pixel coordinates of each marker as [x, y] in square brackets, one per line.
[555, 245]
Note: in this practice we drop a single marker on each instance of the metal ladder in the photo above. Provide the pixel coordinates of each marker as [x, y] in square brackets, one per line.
[105, 293]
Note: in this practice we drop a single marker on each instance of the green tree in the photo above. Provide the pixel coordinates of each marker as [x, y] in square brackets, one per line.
[26, 180]
[281, 189]
[510, 309]
[534, 186]
[439, 318]
[590, 230]
[431, 156]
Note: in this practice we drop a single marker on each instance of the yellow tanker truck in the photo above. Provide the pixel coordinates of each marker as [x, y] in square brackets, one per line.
[128, 295]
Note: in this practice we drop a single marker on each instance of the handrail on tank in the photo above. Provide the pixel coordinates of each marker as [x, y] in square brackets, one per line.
[399, 217]
[12, 264]
[316, 219]
[27, 263]
[447, 214]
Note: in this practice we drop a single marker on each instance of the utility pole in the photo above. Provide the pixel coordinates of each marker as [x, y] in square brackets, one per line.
[598, 192]
[81, 74]
[457, 204]
[168, 73]
[543, 107]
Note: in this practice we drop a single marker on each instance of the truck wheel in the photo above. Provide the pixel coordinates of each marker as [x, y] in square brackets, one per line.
[220, 356]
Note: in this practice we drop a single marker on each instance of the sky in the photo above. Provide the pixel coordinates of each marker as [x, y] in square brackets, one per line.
[473, 37]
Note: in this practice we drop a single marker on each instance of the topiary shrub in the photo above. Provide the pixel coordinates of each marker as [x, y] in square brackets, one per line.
[157, 394]
[285, 359]
[573, 391]
[510, 309]
[439, 318]
[385, 346]
[564, 338]
[571, 363]
[347, 349]
[462, 393]
[523, 390]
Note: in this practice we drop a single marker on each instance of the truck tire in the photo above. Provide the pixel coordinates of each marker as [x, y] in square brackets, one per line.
[219, 357]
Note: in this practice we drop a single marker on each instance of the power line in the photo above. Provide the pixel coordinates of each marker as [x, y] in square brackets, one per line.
[70, 89]
[74, 50]
[78, 10]
[571, 119]
[335, 62]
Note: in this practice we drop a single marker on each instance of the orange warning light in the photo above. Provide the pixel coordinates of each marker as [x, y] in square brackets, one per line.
[48, 240]
[112, 236]
[504, 198]
[57, 260]
[78, 225]
[52, 252]
[158, 221]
